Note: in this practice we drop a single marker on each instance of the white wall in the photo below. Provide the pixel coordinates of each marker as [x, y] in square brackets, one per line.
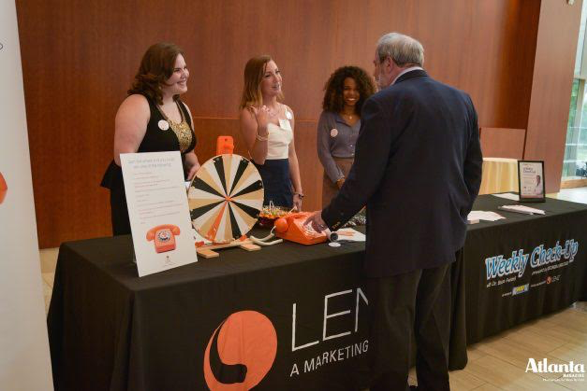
[24, 348]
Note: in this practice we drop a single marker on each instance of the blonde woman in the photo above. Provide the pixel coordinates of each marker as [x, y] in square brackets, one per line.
[267, 127]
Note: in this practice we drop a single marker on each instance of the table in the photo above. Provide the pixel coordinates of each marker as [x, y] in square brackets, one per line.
[109, 329]
[495, 303]
[499, 175]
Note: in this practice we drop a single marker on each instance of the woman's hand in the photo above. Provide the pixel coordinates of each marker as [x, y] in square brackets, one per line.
[251, 132]
[193, 171]
[297, 201]
[192, 165]
[262, 116]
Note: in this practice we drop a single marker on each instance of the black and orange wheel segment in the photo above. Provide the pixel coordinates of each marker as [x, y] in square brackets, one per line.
[225, 198]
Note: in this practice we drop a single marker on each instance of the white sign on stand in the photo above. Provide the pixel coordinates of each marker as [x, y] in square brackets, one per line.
[25, 362]
[158, 211]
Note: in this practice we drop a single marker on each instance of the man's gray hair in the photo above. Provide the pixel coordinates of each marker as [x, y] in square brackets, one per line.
[402, 49]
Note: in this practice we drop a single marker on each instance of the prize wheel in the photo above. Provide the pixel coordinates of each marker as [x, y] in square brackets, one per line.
[225, 198]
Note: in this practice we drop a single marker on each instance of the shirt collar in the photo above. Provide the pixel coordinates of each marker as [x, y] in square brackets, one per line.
[338, 118]
[410, 69]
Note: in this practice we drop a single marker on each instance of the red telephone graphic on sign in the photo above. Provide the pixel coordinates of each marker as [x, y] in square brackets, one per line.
[292, 228]
[164, 237]
[3, 188]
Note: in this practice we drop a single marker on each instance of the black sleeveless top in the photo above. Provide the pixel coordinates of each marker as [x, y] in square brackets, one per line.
[155, 140]
[158, 140]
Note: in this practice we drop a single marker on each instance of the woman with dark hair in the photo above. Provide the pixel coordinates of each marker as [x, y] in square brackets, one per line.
[338, 128]
[267, 128]
[152, 118]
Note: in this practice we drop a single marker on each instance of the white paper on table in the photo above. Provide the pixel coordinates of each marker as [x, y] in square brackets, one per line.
[484, 215]
[350, 235]
[508, 196]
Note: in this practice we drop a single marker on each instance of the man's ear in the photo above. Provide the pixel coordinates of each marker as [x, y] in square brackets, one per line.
[390, 64]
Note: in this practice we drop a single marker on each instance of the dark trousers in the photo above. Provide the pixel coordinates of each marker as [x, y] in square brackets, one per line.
[403, 308]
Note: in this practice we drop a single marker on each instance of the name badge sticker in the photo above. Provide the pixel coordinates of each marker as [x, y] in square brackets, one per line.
[163, 125]
[284, 124]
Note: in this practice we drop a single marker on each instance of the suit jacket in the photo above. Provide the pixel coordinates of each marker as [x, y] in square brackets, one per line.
[418, 170]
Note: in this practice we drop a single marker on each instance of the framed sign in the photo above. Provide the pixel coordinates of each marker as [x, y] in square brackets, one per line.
[531, 180]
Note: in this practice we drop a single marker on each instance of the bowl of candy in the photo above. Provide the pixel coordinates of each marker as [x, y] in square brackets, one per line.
[270, 213]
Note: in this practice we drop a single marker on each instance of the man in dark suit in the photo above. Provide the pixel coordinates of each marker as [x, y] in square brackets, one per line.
[417, 169]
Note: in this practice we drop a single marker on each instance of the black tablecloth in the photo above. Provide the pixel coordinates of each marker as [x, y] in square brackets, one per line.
[110, 330]
[495, 303]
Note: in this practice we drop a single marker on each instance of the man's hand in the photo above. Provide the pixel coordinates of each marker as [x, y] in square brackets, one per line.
[316, 221]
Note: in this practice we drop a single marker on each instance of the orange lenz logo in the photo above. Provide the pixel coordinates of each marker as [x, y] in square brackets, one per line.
[3, 188]
[240, 352]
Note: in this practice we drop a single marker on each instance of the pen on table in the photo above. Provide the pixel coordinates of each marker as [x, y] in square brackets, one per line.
[523, 212]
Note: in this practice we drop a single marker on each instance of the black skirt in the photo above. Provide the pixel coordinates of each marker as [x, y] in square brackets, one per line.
[276, 182]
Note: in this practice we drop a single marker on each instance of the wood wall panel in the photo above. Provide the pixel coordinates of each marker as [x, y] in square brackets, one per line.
[502, 142]
[310, 166]
[483, 47]
[79, 58]
[558, 31]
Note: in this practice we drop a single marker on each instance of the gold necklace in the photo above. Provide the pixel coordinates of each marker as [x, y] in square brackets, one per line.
[182, 130]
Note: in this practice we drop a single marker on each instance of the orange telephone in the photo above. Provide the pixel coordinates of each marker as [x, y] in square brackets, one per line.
[224, 145]
[3, 188]
[293, 229]
[164, 237]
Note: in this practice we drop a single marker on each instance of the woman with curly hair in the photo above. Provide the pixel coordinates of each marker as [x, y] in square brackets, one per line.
[152, 118]
[338, 128]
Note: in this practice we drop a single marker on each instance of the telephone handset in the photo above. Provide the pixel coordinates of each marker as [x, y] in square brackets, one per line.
[164, 237]
[294, 229]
